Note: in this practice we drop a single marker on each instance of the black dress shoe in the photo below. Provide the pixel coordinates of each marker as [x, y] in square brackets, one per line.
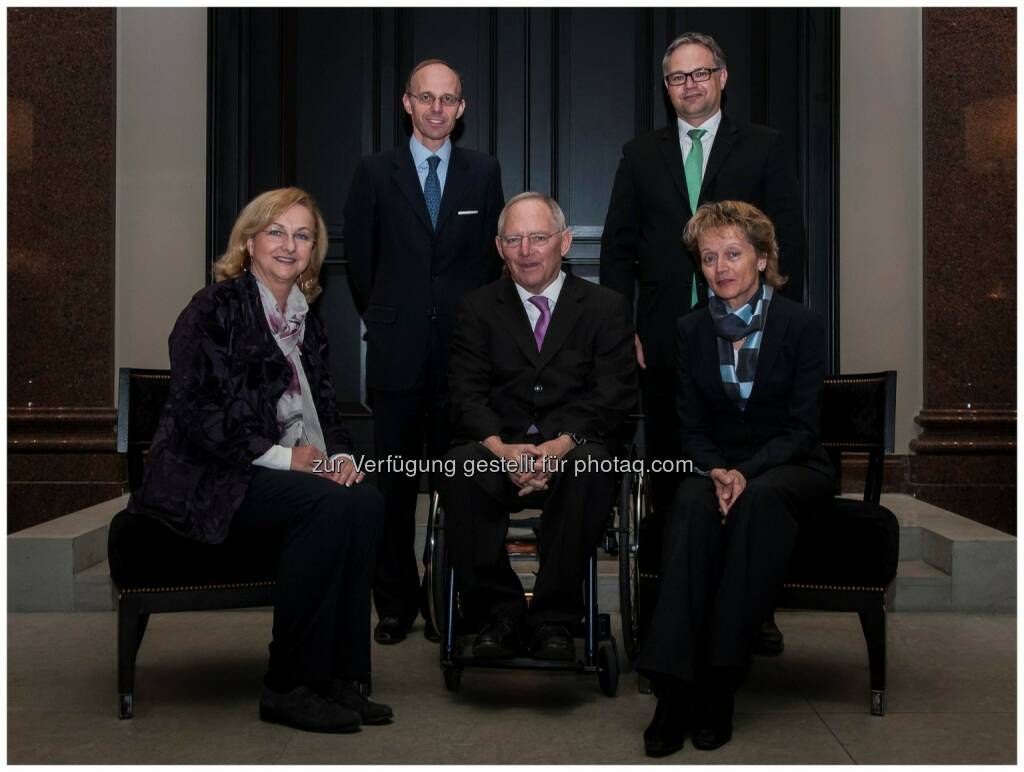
[714, 728]
[552, 642]
[665, 734]
[350, 694]
[770, 642]
[710, 738]
[430, 632]
[303, 708]
[498, 640]
[390, 630]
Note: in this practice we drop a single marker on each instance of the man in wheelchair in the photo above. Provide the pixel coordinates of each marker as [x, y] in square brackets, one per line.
[542, 372]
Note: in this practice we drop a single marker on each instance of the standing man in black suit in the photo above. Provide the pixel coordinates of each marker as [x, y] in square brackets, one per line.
[656, 193]
[542, 368]
[419, 226]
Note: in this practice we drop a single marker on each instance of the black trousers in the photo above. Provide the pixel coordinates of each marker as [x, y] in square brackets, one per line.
[403, 423]
[575, 509]
[328, 538]
[718, 582]
[661, 432]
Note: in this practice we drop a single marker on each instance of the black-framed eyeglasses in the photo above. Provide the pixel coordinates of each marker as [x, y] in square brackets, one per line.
[534, 239]
[699, 75]
[427, 99]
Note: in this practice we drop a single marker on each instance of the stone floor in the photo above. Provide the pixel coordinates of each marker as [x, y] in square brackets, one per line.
[952, 699]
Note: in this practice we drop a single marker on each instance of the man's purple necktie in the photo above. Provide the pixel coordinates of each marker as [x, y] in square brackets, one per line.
[545, 316]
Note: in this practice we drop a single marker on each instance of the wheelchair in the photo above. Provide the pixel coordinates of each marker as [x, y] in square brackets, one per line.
[600, 650]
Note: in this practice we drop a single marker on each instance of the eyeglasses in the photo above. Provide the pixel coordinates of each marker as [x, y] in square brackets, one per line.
[427, 99]
[278, 236]
[534, 239]
[699, 75]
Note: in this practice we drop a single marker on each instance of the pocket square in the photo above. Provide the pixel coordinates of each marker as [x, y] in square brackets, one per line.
[469, 211]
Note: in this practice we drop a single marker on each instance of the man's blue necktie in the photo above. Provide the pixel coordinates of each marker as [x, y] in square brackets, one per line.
[432, 190]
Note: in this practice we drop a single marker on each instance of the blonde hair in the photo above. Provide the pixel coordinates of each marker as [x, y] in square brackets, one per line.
[748, 220]
[257, 215]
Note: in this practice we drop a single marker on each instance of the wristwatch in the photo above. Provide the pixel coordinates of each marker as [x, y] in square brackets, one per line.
[574, 437]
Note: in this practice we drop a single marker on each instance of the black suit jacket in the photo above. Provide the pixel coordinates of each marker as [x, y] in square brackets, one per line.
[642, 239]
[227, 375]
[405, 276]
[782, 420]
[583, 380]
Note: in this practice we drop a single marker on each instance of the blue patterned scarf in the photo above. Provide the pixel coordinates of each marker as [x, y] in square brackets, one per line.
[747, 321]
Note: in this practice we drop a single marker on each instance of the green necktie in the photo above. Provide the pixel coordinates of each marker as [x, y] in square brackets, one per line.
[694, 168]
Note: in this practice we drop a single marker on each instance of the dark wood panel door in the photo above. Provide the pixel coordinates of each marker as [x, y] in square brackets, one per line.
[297, 96]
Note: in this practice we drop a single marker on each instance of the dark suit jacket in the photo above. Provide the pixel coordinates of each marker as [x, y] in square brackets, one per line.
[405, 277]
[649, 207]
[227, 375]
[782, 419]
[583, 380]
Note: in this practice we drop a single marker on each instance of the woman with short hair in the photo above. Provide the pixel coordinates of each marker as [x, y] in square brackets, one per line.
[750, 368]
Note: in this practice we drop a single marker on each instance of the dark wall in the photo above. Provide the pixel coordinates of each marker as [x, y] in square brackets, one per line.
[297, 96]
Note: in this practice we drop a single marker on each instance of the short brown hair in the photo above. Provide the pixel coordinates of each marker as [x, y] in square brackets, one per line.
[690, 39]
[427, 63]
[257, 215]
[748, 220]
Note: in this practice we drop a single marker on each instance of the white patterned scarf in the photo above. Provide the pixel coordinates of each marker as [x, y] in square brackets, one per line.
[296, 412]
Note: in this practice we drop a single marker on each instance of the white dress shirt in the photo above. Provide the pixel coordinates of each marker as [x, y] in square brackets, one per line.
[552, 292]
[710, 127]
[420, 154]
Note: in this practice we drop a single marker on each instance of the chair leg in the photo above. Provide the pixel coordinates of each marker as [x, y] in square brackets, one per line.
[131, 624]
[143, 621]
[872, 621]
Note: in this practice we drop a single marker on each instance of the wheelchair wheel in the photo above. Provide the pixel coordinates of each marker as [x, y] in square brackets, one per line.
[633, 500]
[452, 677]
[608, 667]
[437, 562]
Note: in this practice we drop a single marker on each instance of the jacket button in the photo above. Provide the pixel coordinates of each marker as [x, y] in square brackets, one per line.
[538, 388]
[435, 276]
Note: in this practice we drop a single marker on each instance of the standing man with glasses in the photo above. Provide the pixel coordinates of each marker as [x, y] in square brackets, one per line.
[419, 232]
[662, 178]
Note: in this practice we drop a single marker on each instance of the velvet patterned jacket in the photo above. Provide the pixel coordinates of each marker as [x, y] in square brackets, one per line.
[227, 375]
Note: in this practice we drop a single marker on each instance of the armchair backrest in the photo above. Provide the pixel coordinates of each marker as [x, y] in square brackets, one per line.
[141, 395]
[858, 415]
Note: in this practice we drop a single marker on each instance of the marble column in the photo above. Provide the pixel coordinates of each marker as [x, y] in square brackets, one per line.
[965, 457]
[60, 284]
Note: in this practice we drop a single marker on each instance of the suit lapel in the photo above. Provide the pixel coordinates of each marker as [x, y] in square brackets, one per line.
[454, 184]
[567, 312]
[408, 183]
[668, 144]
[774, 332]
[513, 318]
[725, 138]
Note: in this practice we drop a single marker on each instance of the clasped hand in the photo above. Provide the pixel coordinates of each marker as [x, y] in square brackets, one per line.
[530, 477]
[729, 484]
[305, 458]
